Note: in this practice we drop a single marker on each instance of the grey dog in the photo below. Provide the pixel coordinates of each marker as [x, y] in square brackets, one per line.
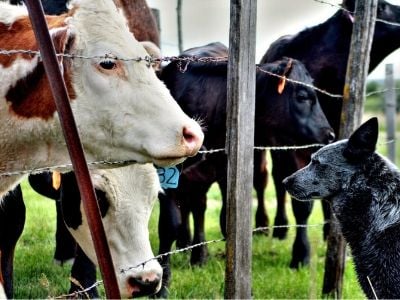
[363, 188]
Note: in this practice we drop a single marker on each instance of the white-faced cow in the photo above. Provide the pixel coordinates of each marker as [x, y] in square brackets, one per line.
[125, 197]
[123, 112]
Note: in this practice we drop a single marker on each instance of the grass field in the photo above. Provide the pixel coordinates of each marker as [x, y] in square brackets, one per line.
[37, 277]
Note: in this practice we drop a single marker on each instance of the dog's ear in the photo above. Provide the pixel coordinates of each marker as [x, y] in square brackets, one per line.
[363, 141]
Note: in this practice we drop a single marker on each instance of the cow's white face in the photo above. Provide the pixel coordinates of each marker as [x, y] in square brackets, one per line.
[123, 111]
[130, 192]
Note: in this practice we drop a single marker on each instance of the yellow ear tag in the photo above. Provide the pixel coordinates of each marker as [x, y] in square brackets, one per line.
[56, 180]
[281, 84]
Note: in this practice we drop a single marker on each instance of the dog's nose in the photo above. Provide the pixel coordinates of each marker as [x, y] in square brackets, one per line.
[286, 182]
[330, 136]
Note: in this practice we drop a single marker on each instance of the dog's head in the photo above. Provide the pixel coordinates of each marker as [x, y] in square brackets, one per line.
[332, 166]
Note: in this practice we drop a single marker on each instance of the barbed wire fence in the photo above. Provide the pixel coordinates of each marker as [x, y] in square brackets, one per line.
[183, 63]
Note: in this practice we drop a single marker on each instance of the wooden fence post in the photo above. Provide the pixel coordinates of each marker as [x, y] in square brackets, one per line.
[239, 145]
[390, 112]
[352, 110]
[179, 24]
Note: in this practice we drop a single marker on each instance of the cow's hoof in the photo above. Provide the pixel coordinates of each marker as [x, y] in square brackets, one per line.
[61, 263]
[300, 254]
[199, 256]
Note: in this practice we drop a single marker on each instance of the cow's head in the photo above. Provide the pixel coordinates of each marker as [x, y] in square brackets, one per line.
[126, 197]
[288, 112]
[122, 110]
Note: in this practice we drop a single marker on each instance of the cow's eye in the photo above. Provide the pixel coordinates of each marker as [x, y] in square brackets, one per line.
[108, 64]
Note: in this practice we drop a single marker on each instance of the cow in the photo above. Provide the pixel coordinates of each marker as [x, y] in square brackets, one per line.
[125, 198]
[286, 114]
[324, 50]
[123, 112]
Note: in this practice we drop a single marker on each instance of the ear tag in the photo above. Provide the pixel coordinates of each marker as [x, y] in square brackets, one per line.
[56, 180]
[281, 85]
[168, 176]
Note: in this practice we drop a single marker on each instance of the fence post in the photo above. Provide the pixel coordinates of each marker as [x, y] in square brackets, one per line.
[352, 110]
[74, 146]
[240, 142]
[390, 112]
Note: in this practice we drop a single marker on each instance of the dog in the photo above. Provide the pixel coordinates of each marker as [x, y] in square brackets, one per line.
[363, 189]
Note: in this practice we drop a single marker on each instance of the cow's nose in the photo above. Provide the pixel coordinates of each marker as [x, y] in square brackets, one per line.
[192, 138]
[144, 285]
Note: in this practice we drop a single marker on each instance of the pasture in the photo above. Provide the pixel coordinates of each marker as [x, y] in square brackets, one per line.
[37, 277]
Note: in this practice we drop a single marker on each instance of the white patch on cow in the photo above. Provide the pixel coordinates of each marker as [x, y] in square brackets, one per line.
[9, 16]
[20, 68]
[132, 192]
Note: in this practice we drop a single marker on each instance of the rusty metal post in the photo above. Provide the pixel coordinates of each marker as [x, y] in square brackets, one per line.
[74, 146]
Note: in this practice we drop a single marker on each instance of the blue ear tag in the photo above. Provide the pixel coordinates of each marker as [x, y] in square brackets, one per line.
[169, 177]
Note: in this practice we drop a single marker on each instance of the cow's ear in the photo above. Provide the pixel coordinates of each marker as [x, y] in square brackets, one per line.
[63, 39]
[283, 70]
[362, 142]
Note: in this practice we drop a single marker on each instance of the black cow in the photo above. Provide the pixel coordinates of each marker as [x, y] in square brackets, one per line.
[288, 117]
[324, 50]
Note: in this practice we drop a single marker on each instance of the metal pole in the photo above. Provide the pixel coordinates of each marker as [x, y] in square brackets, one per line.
[240, 142]
[74, 146]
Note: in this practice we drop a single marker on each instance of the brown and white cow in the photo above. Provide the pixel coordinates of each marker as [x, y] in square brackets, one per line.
[123, 112]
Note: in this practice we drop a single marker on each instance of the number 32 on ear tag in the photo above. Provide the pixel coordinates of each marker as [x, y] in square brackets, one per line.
[169, 177]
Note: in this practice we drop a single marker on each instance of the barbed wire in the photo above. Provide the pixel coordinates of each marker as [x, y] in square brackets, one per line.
[186, 249]
[338, 6]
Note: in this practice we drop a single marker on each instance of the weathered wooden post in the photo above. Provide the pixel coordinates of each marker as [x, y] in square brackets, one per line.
[179, 25]
[240, 142]
[352, 110]
[390, 112]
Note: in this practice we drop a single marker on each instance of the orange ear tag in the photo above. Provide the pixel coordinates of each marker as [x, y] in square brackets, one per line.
[281, 84]
[56, 180]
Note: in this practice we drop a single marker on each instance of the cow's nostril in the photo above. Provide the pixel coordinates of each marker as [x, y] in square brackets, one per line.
[193, 139]
[143, 285]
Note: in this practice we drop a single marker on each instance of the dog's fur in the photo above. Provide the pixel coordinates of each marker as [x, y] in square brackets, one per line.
[364, 190]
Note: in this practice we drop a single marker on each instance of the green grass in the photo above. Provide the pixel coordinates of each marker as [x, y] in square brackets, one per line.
[37, 277]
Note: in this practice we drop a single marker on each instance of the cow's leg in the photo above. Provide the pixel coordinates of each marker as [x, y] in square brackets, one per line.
[184, 238]
[65, 243]
[168, 224]
[326, 209]
[199, 254]
[12, 222]
[260, 183]
[279, 172]
[301, 245]
[84, 272]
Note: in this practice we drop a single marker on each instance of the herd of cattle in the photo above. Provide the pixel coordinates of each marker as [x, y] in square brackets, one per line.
[128, 111]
